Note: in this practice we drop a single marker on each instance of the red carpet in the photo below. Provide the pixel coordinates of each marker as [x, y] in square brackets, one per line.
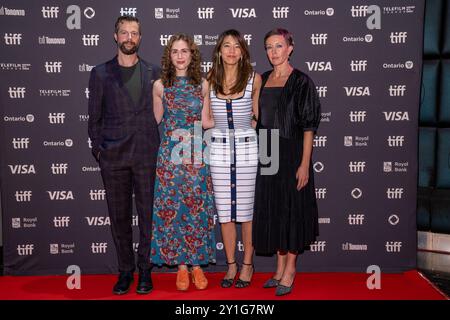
[308, 286]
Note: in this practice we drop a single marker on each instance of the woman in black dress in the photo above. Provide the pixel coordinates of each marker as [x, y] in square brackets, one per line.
[286, 218]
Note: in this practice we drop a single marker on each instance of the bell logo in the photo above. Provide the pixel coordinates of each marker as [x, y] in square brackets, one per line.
[50, 12]
[243, 12]
[356, 193]
[97, 195]
[319, 141]
[395, 141]
[205, 13]
[20, 143]
[99, 247]
[394, 193]
[60, 195]
[22, 169]
[23, 196]
[318, 246]
[393, 246]
[13, 39]
[318, 167]
[128, 12]
[397, 90]
[164, 38]
[357, 91]
[355, 219]
[25, 249]
[322, 91]
[358, 65]
[398, 37]
[396, 115]
[74, 20]
[321, 193]
[319, 66]
[56, 117]
[357, 166]
[98, 221]
[357, 116]
[280, 12]
[16, 92]
[319, 39]
[393, 219]
[59, 168]
[90, 40]
[61, 222]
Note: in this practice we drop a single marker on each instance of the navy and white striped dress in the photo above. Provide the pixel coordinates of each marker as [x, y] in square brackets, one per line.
[233, 165]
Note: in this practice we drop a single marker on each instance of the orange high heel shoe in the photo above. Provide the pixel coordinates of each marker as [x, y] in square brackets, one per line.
[199, 279]
[182, 280]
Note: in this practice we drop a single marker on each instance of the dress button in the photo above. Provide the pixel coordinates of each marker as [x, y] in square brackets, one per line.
[233, 202]
[230, 118]
[233, 185]
[233, 168]
[233, 220]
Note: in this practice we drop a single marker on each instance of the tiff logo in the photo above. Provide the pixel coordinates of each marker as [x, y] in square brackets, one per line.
[59, 168]
[320, 193]
[23, 196]
[205, 13]
[61, 222]
[359, 11]
[13, 39]
[393, 246]
[395, 141]
[358, 65]
[53, 67]
[50, 12]
[164, 38]
[319, 39]
[322, 91]
[99, 247]
[397, 90]
[206, 66]
[90, 40]
[357, 166]
[320, 141]
[20, 143]
[16, 92]
[128, 12]
[318, 246]
[86, 92]
[56, 117]
[357, 116]
[25, 249]
[248, 38]
[394, 193]
[280, 12]
[355, 219]
[97, 194]
[398, 37]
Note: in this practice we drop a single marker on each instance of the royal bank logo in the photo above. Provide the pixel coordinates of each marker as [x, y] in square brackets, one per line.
[23, 195]
[322, 91]
[394, 193]
[54, 248]
[60, 195]
[387, 166]
[357, 116]
[56, 117]
[398, 37]
[319, 39]
[356, 193]
[325, 116]
[321, 193]
[319, 141]
[128, 12]
[20, 143]
[164, 39]
[318, 246]
[11, 12]
[319, 66]
[357, 91]
[243, 13]
[396, 115]
[99, 247]
[356, 141]
[280, 12]
[59, 168]
[25, 249]
[48, 40]
[6, 66]
[198, 39]
[13, 39]
[61, 222]
[63, 248]
[50, 12]
[400, 167]
[206, 66]
[357, 166]
[171, 13]
[97, 195]
[205, 13]
[397, 90]
[358, 65]
[393, 246]
[395, 141]
[22, 169]
[15, 223]
[355, 219]
[16, 92]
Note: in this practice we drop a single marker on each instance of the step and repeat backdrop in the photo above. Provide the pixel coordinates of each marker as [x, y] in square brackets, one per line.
[364, 57]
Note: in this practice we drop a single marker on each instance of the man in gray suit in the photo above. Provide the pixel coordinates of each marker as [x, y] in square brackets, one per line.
[125, 141]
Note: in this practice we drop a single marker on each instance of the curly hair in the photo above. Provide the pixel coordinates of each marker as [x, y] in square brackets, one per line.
[168, 72]
[216, 76]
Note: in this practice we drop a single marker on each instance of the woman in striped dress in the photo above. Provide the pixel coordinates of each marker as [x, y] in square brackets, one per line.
[234, 91]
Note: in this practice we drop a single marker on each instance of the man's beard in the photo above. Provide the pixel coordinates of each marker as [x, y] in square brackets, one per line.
[130, 51]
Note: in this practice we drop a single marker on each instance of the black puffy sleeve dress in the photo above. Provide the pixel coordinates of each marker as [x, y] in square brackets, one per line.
[285, 219]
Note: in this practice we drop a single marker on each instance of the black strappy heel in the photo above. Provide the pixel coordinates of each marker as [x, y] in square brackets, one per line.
[244, 284]
[228, 282]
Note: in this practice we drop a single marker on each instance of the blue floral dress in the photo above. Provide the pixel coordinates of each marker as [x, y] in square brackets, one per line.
[183, 209]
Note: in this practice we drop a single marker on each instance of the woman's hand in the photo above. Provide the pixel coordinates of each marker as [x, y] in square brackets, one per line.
[302, 176]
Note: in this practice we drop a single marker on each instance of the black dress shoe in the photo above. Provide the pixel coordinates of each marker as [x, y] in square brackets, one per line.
[145, 284]
[242, 283]
[228, 282]
[122, 285]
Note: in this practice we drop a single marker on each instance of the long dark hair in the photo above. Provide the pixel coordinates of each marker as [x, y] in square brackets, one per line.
[168, 72]
[216, 75]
